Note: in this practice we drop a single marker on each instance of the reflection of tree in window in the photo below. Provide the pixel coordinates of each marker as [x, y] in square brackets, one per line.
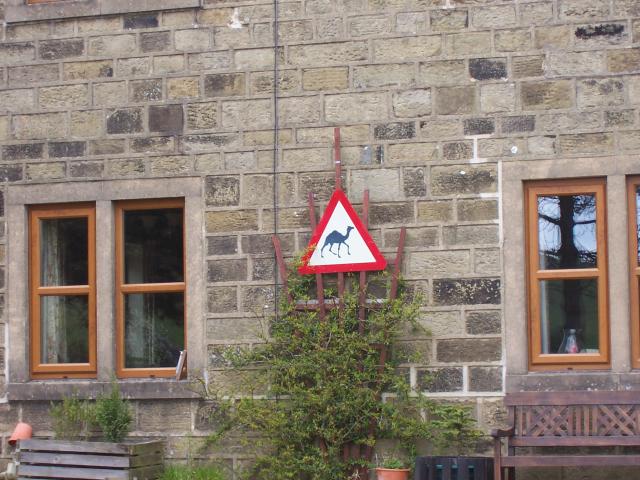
[567, 240]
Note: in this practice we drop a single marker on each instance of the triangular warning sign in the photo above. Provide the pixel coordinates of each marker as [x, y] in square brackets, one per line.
[340, 242]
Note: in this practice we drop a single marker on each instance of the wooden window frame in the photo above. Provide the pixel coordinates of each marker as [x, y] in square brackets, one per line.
[70, 370]
[538, 360]
[633, 183]
[121, 288]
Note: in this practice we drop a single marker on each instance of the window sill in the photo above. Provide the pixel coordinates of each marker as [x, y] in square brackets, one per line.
[146, 389]
[18, 11]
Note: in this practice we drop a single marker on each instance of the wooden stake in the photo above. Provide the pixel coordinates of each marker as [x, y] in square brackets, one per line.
[319, 282]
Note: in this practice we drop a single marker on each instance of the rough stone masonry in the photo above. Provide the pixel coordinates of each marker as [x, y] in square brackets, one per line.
[432, 98]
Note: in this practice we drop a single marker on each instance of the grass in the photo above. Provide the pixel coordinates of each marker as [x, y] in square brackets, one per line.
[192, 472]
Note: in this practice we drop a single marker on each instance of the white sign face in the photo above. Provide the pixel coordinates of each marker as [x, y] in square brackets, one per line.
[340, 242]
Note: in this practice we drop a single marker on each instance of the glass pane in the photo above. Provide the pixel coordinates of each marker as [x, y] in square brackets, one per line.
[153, 246]
[638, 223]
[154, 329]
[567, 231]
[63, 251]
[64, 329]
[569, 316]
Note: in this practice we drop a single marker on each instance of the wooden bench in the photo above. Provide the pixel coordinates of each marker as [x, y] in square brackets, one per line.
[567, 419]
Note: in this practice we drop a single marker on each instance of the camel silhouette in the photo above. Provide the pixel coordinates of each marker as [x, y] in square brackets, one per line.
[336, 237]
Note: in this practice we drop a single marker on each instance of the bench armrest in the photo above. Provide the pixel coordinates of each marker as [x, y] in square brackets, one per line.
[502, 432]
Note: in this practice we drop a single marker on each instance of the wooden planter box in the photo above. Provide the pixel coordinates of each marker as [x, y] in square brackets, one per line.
[44, 459]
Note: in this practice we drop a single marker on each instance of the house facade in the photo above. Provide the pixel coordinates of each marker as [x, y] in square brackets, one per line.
[151, 148]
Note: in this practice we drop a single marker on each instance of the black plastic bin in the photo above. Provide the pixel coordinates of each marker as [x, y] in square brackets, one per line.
[454, 468]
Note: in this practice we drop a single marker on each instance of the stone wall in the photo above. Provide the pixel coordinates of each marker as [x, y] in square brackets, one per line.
[432, 97]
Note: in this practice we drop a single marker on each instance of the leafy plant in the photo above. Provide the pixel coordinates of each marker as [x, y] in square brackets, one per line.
[393, 463]
[113, 414]
[192, 472]
[334, 388]
[72, 418]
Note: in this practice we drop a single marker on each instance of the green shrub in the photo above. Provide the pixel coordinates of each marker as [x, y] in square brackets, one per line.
[113, 415]
[72, 418]
[192, 472]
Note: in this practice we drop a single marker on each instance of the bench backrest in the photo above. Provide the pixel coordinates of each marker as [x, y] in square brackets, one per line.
[578, 418]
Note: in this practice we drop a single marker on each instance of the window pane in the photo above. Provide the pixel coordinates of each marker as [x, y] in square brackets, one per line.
[569, 316]
[154, 329]
[64, 329]
[153, 246]
[63, 251]
[567, 231]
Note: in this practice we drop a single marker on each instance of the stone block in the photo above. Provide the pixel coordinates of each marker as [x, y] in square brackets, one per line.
[336, 78]
[155, 42]
[145, 90]
[413, 48]
[169, 165]
[462, 350]
[192, 40]
[586, 143]
[583, 10]
[152, 145]
[45, 171]
[487, 261]
[86, 169]
[629, 141]
[11, 173]
[214, 16]
[263, 244]
[517, 124]
[226, 245]
[483, 322]
[222, 299]
[202, 116]
[493, 16]
[209, 163]
[111, 94]
[17, 100]
[87, 70]
[58, 49]
[547, 95]
[40, 126]
[106, 147]
[469, 43]
[514, 40]
[556, 37]
[67, 149]
[412, 103]
[299, 110]
[21, 76]
[435, 380]
[438, 264]
[207, 142]
[124, 168]
[443, 72]
[23, 151]
[240, 160]
[263, 269]
[11, 53]
[227, 270]
[576, 64]
[479, 126]
[257, 58]
[240, 113]
[295, 31]
[126, 120]
[168, 64]
[184, 87]
[485, 379]
[235, 330]
[528, 66]
[488, 68]
[351, 133]
[471, 235]
[262, 82]
[386, 75]
[601, 35]
[222, 191]
[355, 107]
[455, 100]
[166, 118]
[435, 211]
[477, 210]
[394, 131]
[383, 184]
[449, 20]
[224, 84]
[498, 97]
[413, 182]
[99, 24]
[133, 21]
[212, 60]
[330, 28]
[457, 150]
[231, 220]
[468, 291]
[164, 416]
[368, 25]
[622, 118]
[620, 61]
[112, 46]
[237, 37]
[452, 180]
[399, 213]
[413, 351]
[68, 96]
[607, 92]
[415, 237]
[536, 13]
[257, 190]
[440, 128]
[128, 67]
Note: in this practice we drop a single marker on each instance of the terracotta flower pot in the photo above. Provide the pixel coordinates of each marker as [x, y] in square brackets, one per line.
[21, 432]
[392, 473]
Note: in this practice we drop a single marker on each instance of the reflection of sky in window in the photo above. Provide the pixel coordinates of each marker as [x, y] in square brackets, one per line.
[584, 231]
